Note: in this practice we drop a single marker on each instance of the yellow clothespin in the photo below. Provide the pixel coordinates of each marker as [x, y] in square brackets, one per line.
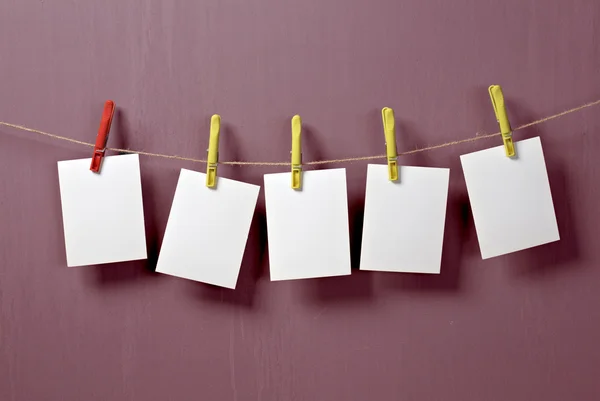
[500, 110]
[387, 116]
[213, 151]
[296, 152]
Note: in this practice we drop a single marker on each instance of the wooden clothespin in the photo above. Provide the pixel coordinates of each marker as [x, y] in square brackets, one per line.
[500, 111]
[102, 138]
[213, 151]
[387, 115]
[296, 152]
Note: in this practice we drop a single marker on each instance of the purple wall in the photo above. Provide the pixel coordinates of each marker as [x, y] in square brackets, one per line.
[520, 327]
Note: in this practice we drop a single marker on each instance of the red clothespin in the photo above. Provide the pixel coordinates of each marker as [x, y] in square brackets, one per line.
[102, 138]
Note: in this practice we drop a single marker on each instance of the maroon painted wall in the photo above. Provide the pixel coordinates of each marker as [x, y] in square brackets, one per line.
[520, 327]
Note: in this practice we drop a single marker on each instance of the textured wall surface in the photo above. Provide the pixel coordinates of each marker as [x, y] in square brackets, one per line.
[518, 327]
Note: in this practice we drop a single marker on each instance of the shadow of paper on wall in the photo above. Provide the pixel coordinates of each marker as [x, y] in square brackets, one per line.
[255, 252]
[129, 272]
[458, 227]
[356, 287]
[117, 274]
[555, 256]
[456, 236]
[552, 257]
[252, 269]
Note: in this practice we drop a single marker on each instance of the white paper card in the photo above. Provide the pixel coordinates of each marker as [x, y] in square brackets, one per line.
[510, 198]
[308, 229]
[207, 229]
[103, 213]
[403, 228]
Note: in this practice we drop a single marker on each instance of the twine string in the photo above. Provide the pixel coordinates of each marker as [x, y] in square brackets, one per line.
[312, 163]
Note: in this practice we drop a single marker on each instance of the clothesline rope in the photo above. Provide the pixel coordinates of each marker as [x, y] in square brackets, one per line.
[316, 162]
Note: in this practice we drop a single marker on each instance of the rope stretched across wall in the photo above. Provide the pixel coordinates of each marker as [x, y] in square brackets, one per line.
[316, 162]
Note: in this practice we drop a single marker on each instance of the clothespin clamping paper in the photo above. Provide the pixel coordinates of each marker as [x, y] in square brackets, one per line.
[500, 110]
[213, 151]
[102, 138]
[387, 116]
[296, 152]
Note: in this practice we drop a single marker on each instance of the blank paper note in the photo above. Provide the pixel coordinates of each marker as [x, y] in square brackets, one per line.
[207, 229]
[103, 213]
[404, 221]
[308, 229]
[510, 198]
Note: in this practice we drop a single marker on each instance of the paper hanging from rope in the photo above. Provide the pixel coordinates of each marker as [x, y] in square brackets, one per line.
[207, 229]
[481, 231]
[510, 198]
[403, 227]
[103, 214]
[308, 230]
